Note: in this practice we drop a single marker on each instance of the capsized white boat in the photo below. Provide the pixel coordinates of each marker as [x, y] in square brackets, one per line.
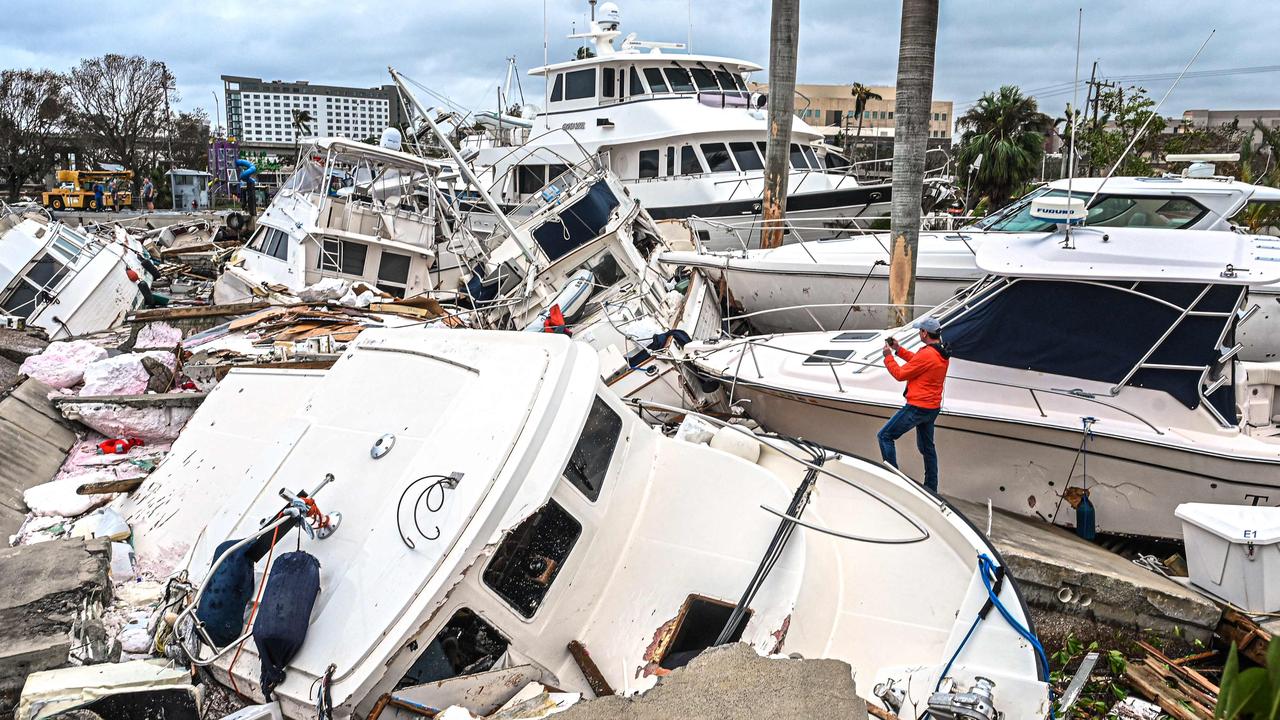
[503, 505]
[65, 280]
[1104, 363]
[841, 283]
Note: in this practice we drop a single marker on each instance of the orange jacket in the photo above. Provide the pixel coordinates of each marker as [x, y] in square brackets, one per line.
[925, 373]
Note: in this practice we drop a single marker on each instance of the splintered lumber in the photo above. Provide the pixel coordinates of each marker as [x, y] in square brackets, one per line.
[1186, 673]
[1172, 700]
[1240, 629]
[595, 678]
[876, 712]
[106, 487]
[194, 311]
[147, 400]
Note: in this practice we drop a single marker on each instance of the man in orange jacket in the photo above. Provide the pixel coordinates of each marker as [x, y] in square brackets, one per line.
[925, 372]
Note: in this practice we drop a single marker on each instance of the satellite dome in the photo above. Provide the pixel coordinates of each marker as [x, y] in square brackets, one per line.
[609, 16]
[391, 139]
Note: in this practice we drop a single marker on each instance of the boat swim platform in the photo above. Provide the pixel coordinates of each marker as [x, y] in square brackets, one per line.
[1060, 573]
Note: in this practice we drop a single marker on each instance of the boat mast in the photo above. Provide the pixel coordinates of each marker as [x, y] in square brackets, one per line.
[465, 169]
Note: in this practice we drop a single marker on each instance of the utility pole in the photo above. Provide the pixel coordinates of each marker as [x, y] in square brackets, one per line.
[917, 44]
[784, 38]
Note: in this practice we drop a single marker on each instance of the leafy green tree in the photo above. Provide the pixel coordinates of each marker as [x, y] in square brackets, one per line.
[1260, 165]
[1252, 694]
[861, 94]
[1122, 114]
[1007, 129]
[33, 108]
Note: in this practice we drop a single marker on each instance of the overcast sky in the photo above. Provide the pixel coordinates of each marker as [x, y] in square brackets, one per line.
[458, 47]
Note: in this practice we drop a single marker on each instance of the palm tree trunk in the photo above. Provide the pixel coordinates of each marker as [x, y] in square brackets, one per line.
[783, 40]
[911, 138]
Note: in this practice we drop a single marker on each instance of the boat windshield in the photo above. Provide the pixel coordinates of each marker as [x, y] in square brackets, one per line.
[306, 179]
[1159, 211]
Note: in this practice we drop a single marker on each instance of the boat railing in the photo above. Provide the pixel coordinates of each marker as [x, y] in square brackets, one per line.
[749, 346]
[810, 307]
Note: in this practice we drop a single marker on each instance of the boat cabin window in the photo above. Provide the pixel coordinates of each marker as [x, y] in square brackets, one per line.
[589, 462]
[580, 84]
[530, 179]
[557, 88]
[393, 273]
[746, 156]
[717, 156]
[689, 162]
[605, 270]
[607, 81]
[704, 79]
[1170, 213]
[812, 157]
[273, 242]
[679, 80]
[67, 244]
[671, 161]
[697, 626]
[657, 84]
[636, 86]
[648, 163]
[529, 558]
[828, 357]
[342, 256]
[466, 645]
[798, 160]
[34, 287]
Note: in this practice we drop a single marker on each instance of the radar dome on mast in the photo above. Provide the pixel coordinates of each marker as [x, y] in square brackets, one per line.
[609, 17]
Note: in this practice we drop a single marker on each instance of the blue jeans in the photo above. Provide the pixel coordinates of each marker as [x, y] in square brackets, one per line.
[903, 421]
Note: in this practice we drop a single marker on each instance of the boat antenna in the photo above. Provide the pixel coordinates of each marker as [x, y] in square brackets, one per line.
[689, 43]
[1154, 111]
[463, 168]
[546, 76]
[1075, 113]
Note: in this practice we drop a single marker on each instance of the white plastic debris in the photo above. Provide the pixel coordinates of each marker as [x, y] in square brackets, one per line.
[535, 700]
[326, 289]
[158, 335]
[696, 430]
[1131, 708]
[737, 442]
[362, 300]
[122, 560]
[122, 374]
[62, 364]
[456, 712]
[105, 522]
[60, 498]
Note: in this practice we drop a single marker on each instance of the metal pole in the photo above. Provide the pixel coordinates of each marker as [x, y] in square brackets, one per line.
[465, 170]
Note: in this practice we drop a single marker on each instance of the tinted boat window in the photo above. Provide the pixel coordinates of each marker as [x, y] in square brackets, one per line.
[648, 163]
[633, 77]
[704, 79]
[678, 79]
[579, 84]
[529, 178]
[657, 84]
[726, 81]
[811, 157]
[689, 162]
[745, 154]
[590, 460]
[606, 81]
[557, 90]
[466, 645]
[530, 557]
[717, 156]
[797, 158]
[394, 268]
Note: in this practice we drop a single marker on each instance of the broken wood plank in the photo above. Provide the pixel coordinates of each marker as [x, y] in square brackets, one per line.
[1187, 672]
[1152, 687]
[193, 311]
[1195, 657]
[106, 487]
[1248, 636]
[595, 679]
[148, 400]
[876, 712]
[1201, 698]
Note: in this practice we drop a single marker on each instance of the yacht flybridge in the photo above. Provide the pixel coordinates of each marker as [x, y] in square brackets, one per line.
[1102, 363]
[474, 526]
[842, 283]
[62, 280]
[684, 134]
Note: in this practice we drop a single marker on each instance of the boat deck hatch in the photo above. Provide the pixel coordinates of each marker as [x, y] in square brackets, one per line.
[857, 336]
[530, 557]
[464, 646]
[697, 626]
[827, 357]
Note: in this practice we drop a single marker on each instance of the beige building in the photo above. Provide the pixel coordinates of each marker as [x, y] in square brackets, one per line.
[830, 108]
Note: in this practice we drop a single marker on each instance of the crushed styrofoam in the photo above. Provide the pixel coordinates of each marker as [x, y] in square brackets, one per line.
[39, 528]
[158, 335]
[122, 562]
[59, 497]
[62, 364]
[696, 430]
[122, 374]
[362, 300]
[152, 424]
[326, 289]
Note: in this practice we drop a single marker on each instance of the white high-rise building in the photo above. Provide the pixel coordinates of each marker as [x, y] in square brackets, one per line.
[260, 114]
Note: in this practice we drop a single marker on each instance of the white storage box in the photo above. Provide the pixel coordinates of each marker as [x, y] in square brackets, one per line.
[1233, 551]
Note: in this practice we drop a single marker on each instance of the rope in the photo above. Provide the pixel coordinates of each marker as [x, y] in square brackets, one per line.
[859, 293]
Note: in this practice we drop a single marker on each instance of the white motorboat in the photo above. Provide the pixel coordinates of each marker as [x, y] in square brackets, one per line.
[842, 283]
[63, 280]
[684, 134]
[505, 518]
[356, 212]
[1105, 363]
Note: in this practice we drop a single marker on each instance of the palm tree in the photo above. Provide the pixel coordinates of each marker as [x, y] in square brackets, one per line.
[1007, 129]
[1260, 165]
[301, 124]
[784, 37]
[861, 94]
[916, 45]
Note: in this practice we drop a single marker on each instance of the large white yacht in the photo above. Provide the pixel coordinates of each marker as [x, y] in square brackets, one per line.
[476, 525]
[63, 280]
[1105, 362]
[842, 283]
[684, 134]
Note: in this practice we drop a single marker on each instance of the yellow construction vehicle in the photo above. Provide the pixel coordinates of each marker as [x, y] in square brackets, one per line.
[79, 189]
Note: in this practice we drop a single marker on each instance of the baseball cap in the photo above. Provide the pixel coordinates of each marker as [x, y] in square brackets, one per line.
[928, 324]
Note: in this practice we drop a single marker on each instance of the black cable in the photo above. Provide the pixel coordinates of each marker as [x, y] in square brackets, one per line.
[429, 499]
[859, 293]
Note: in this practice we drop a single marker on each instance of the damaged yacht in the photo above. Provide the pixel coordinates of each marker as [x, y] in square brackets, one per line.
[504, 518]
